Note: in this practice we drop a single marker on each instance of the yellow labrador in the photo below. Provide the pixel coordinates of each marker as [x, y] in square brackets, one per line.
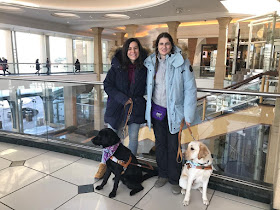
[196, 171]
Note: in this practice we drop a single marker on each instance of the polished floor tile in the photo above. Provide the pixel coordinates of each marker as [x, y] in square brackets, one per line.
[219, 203]
[46, 193]
[242, 200]
[123, 191]
[94, 201]
[4, 163]
[4, 146]
[163, 199]
[21, 153]
[50, 161]
[4, 207]
[14, 178]
[80, 172]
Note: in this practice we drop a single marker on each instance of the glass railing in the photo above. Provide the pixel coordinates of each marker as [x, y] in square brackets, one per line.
[209, 71]
[55, 68]
[72, 113]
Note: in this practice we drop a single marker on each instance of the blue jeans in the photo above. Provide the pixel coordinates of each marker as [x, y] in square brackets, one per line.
[133, 131]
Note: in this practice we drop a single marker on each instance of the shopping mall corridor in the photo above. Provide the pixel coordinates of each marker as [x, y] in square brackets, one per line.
[36, 179]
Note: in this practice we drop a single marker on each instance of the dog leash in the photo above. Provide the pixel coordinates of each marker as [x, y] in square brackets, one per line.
[179, 152]
[127, 117]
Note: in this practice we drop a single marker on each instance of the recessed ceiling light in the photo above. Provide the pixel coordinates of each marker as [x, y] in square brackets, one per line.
[11, 9]
[66, 15]
[116, 16]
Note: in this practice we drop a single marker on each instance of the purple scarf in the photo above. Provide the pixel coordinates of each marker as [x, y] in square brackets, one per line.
[109, 151]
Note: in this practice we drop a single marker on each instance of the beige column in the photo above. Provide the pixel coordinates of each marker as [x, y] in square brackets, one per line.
[272, 166]
[98, 68]
[70, 106]
[98, 108]
[120, 38]
[172, 30]
[220, 69]
[191, 48]
[131, 30]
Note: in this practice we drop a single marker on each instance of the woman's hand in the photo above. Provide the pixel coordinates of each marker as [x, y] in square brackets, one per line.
[188, 124]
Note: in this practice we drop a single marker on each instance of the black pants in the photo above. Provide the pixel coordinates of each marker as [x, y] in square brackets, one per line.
[166, 151]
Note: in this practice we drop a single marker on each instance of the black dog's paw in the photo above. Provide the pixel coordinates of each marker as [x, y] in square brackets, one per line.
[112, 194]
[99, 187]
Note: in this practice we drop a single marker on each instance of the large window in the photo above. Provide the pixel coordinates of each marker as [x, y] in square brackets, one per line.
[61, 56]
[29, 48]
[83, 50]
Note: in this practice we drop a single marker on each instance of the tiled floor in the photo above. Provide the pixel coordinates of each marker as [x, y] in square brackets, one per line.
[49, 180]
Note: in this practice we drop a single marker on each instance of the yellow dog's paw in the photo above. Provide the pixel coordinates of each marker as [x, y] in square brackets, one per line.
[186, 202]
[206, 202]
[183, 191]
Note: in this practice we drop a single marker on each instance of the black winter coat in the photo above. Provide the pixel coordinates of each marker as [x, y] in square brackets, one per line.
[116, 85]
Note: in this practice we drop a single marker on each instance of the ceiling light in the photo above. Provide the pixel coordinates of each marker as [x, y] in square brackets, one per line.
[66, 15]
[116, 16]
[253, 7]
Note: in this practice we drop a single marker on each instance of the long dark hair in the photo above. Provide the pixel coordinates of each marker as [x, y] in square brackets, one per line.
[169, 37]
[126, 61]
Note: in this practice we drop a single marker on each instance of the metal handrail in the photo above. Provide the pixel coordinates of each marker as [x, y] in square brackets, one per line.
[240, 92]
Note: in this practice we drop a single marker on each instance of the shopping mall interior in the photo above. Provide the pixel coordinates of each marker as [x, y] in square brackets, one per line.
[48, 118]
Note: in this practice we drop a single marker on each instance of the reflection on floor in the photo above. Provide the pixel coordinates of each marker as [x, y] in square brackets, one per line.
[42, 179]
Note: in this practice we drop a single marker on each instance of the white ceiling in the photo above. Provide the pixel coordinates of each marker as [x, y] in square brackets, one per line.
[38, 14]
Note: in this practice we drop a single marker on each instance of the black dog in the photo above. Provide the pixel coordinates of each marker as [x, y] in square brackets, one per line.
[132, 176]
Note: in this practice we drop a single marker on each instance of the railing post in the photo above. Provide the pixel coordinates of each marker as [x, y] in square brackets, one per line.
[267, 86]
[204, 109]
[262, 88]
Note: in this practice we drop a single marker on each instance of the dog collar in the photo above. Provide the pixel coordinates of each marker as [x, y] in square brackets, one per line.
[191, 164]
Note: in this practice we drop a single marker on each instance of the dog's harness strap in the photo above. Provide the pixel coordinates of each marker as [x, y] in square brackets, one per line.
[149, 166]
[121, 162]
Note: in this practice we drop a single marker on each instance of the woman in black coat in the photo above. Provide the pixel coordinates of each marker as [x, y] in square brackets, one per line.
[125, 84]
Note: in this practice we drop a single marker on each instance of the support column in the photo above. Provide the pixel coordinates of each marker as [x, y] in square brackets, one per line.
[70, 106]
[191, 48]
[98, 108]
[272, 166]
[131, 30]
[98, 68]
[172, 30]
[220, 69]
[120, 38]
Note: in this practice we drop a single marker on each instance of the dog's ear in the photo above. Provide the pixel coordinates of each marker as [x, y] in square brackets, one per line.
[203, 152]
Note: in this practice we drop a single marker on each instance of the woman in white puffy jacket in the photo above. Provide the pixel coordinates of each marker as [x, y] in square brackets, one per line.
[171, 97]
